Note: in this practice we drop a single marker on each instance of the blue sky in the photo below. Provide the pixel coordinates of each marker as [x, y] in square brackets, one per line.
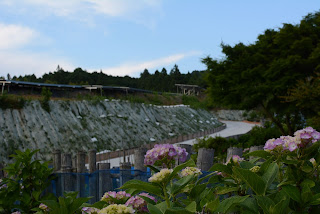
[122, 37]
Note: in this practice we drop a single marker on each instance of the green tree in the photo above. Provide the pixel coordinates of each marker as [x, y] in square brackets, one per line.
[258, 75]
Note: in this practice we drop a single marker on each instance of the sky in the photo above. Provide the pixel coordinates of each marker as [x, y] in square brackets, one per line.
[123, 37]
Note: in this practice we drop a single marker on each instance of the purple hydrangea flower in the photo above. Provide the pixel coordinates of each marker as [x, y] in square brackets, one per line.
[167, 151]
[138, 203]
[108, 196]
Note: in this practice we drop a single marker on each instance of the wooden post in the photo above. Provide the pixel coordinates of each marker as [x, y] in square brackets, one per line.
[205, 159]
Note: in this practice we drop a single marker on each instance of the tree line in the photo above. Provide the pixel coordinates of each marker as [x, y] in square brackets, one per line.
[158, 81]
[278, 74]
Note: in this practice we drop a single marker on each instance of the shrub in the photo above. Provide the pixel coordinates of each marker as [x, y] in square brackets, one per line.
[46, 95]
[11, 101]
[25, 183]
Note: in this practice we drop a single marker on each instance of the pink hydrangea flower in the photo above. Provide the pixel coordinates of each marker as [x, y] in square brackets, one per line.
[168, 151]
[108, 196]
[90, 210]
[138, 203]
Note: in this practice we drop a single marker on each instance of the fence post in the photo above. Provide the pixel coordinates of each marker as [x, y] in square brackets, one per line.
[81, 168]
[233, 151]
[105, 181]
[66, 168]
[205, 159]
[139, 154]
[56, 160]
[92, 177]
[255, 148]
[125, 172]
[92, 160]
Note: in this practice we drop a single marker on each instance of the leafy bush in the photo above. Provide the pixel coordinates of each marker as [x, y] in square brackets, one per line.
[11, 101]
[219, 144]
[46, 95]
[23, 187]
[257, 136]
[193, 102]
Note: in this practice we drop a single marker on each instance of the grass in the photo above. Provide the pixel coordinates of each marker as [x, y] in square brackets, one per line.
[11, 101]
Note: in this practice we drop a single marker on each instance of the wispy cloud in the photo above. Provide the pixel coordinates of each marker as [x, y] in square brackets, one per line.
[15, 36]
[13, 60]
[21, 63]
[133, 69]
[133, 10]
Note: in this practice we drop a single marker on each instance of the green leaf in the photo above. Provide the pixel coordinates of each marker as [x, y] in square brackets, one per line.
[270, 175]
[307, 168]
[265, 203]
[260, 153]
[293, 192]
[197, 190]
[192, 207]
[224, 190]
[315, 199]
[226, 204]
[177, 210]
[246, 165]
[162, 206]
[153, 168]
[255, 182]
[148, 200]
[251, 205]
[178, 168]
[154, 209]
[213, 205]
[221, 168]
[281, 207]
[180, 184]
[204, 177]
[143, 186]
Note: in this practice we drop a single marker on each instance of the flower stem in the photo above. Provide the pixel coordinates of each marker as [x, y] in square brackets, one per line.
[166, 195]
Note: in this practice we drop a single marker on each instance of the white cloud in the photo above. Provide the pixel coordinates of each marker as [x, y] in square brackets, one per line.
[115, 8]
[20, 63]
[132, 69]
[15, 36]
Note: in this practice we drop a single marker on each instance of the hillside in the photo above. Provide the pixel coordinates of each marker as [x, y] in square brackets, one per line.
[82, 125]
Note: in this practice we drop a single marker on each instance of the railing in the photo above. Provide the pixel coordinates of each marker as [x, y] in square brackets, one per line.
[94, 184]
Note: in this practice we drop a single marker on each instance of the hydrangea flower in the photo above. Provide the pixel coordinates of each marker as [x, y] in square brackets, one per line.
[307, 135]
[44, 207]
[16, 212]
[235, 159]
[255, 169]
[139, 203]
[2, 185]
[160, 176]
[168, 151]
[313, 161]
[90, 210]
[121, 195]
[190, 171]
[301, 139]
[116, 209]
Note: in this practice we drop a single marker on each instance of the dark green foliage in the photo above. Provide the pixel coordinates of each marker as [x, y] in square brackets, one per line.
[159, 81]
[65, 205]
[256, 76]
[257, 136]
[219, 144]
[11, 101]
[46, 95]
[27, 179]
[194, 102]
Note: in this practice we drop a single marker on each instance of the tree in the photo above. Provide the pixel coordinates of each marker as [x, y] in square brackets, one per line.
[258, 75]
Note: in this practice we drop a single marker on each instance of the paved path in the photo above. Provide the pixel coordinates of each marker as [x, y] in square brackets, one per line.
[233, 128]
